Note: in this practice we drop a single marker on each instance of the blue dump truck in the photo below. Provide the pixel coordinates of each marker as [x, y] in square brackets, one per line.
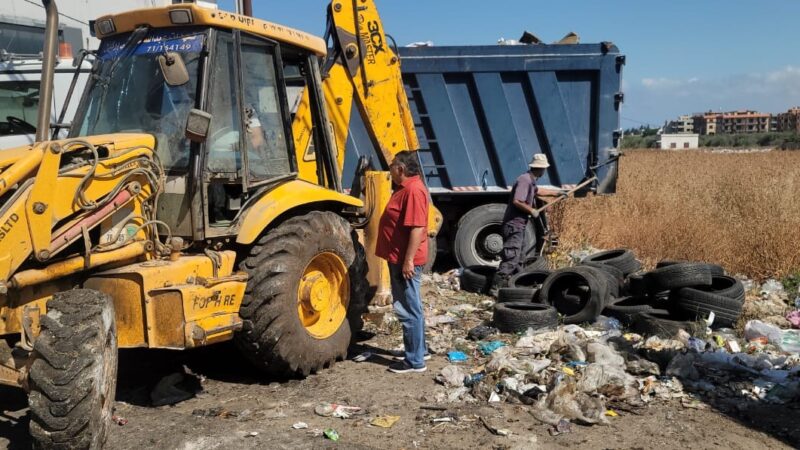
[482, 112]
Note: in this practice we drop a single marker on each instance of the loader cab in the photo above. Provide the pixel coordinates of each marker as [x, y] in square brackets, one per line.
[251, 86]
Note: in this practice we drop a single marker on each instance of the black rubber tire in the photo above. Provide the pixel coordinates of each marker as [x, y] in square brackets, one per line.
[518, 317]
[73, 376]
[273, 337]
[562, 285]
[626, 308]
[635, 285]
[677, 276]
[477, 279]
[613, 276]
[469, 247]
[515, 294]
[724, 298]
[535, 262]
[432, 251]
[529, 279]
[665, 325]
[716, 269]
[621, 258]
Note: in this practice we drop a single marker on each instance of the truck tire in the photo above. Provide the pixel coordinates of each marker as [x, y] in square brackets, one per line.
[677, 276]
[716, 269]
[432, 250]
[73, 376]
[623, 259]
[306, 293]
[579, 293]
[477, 279]
[724, 298]
[626, 308]
[518, 317]
[478, 239]
[515, 294]
[529, 279]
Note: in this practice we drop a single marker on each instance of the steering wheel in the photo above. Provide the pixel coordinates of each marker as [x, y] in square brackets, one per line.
[21, 124]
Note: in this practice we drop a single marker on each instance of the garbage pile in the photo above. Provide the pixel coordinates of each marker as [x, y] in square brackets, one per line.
[584, 344]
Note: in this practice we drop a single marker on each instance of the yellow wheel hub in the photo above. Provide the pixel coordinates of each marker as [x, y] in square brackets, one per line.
[323, 295]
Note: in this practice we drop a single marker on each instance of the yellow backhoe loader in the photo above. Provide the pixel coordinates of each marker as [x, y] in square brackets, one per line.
[197, 200]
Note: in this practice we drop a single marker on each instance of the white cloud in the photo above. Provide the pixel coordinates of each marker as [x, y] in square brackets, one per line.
[655, 99]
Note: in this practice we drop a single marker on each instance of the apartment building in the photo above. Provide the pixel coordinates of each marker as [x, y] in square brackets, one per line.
[789, 121]
[744, 122]
[705, 123]
[684, 125]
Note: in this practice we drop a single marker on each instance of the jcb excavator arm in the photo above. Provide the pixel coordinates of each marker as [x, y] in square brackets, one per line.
[361, 70]
[372, 68]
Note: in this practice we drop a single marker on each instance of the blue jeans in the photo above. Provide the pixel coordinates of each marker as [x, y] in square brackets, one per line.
[407, 302]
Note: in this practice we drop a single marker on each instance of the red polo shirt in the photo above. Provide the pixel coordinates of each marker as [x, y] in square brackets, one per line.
[407, 208]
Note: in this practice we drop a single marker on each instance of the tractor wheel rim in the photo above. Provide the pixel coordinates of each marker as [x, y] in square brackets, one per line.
[323, 295]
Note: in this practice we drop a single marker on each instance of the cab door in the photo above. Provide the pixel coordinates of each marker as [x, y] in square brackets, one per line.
[249, 146]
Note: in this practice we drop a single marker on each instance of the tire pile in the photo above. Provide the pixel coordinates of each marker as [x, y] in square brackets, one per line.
[675, 295]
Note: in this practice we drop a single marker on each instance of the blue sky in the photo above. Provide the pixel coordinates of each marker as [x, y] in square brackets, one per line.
[683, 56]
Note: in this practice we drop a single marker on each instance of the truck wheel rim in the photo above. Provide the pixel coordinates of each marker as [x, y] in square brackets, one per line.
[488, 243]
[323, 295]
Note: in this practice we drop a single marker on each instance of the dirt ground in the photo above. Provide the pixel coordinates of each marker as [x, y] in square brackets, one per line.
[240, 408]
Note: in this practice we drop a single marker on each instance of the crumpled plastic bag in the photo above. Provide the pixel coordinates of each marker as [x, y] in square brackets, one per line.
[682, 366]
[451, 376]
[570, 344]
[567, 401]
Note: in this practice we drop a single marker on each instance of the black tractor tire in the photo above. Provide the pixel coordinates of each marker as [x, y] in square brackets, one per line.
[477, 279]
[665, 325]
[716, 269]
[432, 251]
[626, 308]
[515, 294]
[579, 293]
[724, 298]
[677, 276]
[535, 262]
[623, 259]
[478, 239]
[272, 337]
[518, 317]
[73, 376]
[529, 279]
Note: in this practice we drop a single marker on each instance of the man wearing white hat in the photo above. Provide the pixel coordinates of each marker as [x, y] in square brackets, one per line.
[519, 210]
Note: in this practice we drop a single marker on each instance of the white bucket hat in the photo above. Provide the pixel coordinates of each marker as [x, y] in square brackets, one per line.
[539, 161]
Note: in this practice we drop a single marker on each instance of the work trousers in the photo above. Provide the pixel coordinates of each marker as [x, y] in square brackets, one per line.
[407, 302]
[513, 254]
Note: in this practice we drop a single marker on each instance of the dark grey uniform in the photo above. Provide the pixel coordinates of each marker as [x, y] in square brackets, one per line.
[514, 223]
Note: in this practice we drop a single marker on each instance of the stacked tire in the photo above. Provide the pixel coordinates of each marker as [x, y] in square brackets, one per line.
[477, 279]
[675, 295]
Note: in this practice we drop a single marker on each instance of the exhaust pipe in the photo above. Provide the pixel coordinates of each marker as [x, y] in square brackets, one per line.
[48, 71]
[247, 8]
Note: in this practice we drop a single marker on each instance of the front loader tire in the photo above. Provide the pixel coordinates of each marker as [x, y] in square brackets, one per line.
[281, 333]
[73, 376]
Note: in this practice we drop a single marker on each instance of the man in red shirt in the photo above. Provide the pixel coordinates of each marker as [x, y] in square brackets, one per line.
[403, 243]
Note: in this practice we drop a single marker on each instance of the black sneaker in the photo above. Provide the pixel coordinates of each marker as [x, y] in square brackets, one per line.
[400, 355]
[403, 367]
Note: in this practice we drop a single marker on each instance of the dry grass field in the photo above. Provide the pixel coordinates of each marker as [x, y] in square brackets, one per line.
[740, 210]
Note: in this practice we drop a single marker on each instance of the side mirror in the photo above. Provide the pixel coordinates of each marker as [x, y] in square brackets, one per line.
[173, 68]
[197, 125]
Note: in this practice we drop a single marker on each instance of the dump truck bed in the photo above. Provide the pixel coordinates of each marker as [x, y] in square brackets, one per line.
[481, 113]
